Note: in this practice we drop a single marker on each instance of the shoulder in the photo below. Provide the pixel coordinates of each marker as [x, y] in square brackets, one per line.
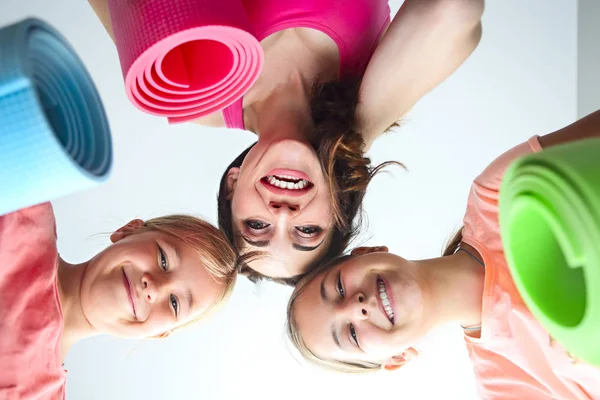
[28, 244]
[37, 220]
[491, 177]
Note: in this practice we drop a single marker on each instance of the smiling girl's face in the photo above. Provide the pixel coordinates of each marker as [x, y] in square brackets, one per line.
[368, 308]
[145, 284]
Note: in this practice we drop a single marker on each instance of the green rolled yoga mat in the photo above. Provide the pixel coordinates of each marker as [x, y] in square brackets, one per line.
[550, 225]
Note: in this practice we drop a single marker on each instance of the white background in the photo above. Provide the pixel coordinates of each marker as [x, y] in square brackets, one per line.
[521, 81]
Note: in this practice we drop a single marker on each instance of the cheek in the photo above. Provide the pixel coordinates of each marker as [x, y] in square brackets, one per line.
[245, 202]
[378, 344]
[158, 323]
[358, 274]
[320, 210]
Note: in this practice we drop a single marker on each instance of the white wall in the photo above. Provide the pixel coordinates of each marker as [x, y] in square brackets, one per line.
[588, 57]
[521, 81]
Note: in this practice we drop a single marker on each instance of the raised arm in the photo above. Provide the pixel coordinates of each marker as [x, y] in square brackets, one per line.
[100, 7]
[585, 128]
[425, 43]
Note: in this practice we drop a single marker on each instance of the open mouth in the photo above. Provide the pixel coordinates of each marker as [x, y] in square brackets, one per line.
[293, 183]
[129, 292]
[385, 299]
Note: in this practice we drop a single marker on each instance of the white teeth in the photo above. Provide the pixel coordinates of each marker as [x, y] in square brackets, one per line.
[277, 180]
[384, 300]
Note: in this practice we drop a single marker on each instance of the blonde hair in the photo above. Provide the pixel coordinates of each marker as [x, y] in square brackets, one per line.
[212, 247]
[296, 338]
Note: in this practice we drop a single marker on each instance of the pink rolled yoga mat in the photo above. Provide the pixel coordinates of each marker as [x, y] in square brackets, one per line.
[183, 59]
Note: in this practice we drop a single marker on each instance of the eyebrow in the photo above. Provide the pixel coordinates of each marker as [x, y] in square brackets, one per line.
[334, 334]
[299, 247]
[259, 243]
[190, 300]
[266, 243]
[323, 291]
[177, 254]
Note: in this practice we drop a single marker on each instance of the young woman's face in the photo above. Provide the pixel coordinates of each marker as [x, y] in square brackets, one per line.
[281, 206]
[367, 308]
[145, 284]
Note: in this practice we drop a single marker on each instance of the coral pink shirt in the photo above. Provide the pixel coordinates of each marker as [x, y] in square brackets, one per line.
[31, 320]
[513, 358]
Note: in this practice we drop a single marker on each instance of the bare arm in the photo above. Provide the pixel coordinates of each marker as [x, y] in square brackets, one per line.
[585, 128]
[425, 43]
[100, 7]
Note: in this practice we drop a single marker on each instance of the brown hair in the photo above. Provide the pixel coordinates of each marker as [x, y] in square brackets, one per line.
[339, 146]
[211, 246]
[453, 244]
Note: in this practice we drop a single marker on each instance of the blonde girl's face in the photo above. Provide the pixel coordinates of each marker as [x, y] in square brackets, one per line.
[145, 284]
[369, 308]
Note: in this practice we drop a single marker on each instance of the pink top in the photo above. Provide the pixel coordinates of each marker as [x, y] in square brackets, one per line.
[355, 26]
[31, 320]
[514, 357]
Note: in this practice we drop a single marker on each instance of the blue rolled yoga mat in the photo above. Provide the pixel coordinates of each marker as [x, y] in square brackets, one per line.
[54, 134]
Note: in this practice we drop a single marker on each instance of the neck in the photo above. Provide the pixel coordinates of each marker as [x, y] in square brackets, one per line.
[283, 114]
[455, 284]
[291, 69]
[76, 325]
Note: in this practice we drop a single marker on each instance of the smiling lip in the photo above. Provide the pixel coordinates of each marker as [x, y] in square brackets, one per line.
[127, 284]
[284, 192]
[390, 296]
[289, 173]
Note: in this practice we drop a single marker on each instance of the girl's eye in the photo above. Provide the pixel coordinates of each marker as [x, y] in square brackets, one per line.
[309, 230]
[340, 288]
[162, 259]
[256, 225]
[353, 334]
[174, 304]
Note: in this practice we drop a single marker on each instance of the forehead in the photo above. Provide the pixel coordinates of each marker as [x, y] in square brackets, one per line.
[189, 269]
[314, 319]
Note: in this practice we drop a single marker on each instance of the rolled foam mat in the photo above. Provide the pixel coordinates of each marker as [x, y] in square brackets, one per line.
[54, 135]
[183, 59]
[550, 225]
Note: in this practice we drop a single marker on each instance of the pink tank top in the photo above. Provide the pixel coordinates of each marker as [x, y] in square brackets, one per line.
[355, 26]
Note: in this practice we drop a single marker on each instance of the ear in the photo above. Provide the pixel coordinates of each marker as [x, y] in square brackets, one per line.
[126, 230]
[359, 251]
[396, 362]
[232, 177]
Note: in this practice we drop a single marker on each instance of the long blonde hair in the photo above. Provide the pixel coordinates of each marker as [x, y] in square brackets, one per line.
[212, 247]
